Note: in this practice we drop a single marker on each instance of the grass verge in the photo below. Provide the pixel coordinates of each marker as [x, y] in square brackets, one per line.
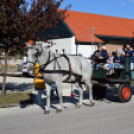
[16, 98]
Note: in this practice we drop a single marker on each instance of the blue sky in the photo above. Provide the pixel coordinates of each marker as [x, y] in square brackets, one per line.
[119, 8]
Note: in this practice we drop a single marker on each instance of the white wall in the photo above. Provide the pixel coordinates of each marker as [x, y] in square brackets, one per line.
[85, 50]
[73, 46]
[61, 44]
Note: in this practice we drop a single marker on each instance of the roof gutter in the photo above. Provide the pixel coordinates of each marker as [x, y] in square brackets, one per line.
[117, 38]
[86, 43]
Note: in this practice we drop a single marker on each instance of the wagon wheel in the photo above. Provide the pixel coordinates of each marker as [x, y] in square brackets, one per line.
[125, 92]
[98, 92]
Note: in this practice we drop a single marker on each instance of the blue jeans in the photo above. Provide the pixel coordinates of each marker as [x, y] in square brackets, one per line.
[111, 66]
[53, 87]
[40, 93]
[96, 66]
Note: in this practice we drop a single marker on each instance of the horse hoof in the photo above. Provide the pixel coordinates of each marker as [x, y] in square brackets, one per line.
[58, 110]
[47, 112]
[78, 105]
[92, 103]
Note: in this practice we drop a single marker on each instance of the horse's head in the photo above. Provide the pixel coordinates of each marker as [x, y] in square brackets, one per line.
[33, 52]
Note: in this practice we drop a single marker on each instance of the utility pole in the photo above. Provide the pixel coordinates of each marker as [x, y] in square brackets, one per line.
[92, 37]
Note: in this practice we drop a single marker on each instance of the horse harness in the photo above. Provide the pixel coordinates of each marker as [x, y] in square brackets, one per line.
[70, 72]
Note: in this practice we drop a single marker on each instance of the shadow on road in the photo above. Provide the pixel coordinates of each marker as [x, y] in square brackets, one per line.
[18, 87]
[109, 98]
[34, 100]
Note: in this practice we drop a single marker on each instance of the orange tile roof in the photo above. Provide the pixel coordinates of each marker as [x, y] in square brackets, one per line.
[80, 23]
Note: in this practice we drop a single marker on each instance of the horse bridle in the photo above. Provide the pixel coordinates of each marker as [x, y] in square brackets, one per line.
[38, 54]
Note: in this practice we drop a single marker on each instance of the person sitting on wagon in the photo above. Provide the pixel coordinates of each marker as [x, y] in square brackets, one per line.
[109, 61]
[99, 57]
[111, 57]
[131, 54]
[126, 48]
[117, 61]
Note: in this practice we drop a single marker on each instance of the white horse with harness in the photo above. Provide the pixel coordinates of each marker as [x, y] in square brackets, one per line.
[59, 69]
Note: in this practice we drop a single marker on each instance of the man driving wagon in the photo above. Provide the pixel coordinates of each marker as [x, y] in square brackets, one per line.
[99, 58]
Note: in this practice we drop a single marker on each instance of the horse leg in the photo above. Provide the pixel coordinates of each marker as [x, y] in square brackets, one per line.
[79, 86]
[91, 94]
[89, 85]
[59, 88]
[47, 111]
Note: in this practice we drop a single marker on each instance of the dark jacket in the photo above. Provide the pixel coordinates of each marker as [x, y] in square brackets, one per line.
[121, 58]
[131, 55]
[126, 51]
[103, 54]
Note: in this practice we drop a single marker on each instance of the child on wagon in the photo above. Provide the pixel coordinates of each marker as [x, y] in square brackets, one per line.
[109, 61]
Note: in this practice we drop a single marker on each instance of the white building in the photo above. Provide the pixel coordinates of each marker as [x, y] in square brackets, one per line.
[74, 34]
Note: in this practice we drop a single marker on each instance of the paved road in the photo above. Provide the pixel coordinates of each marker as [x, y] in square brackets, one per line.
[104, 118]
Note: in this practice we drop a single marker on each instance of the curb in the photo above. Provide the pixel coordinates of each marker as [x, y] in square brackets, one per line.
[10, 106]
[17, 106]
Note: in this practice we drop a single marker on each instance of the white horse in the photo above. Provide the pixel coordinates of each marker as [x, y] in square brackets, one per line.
[60, 69]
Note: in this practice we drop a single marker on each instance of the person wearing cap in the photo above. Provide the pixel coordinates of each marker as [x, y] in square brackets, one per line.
[99, 57]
